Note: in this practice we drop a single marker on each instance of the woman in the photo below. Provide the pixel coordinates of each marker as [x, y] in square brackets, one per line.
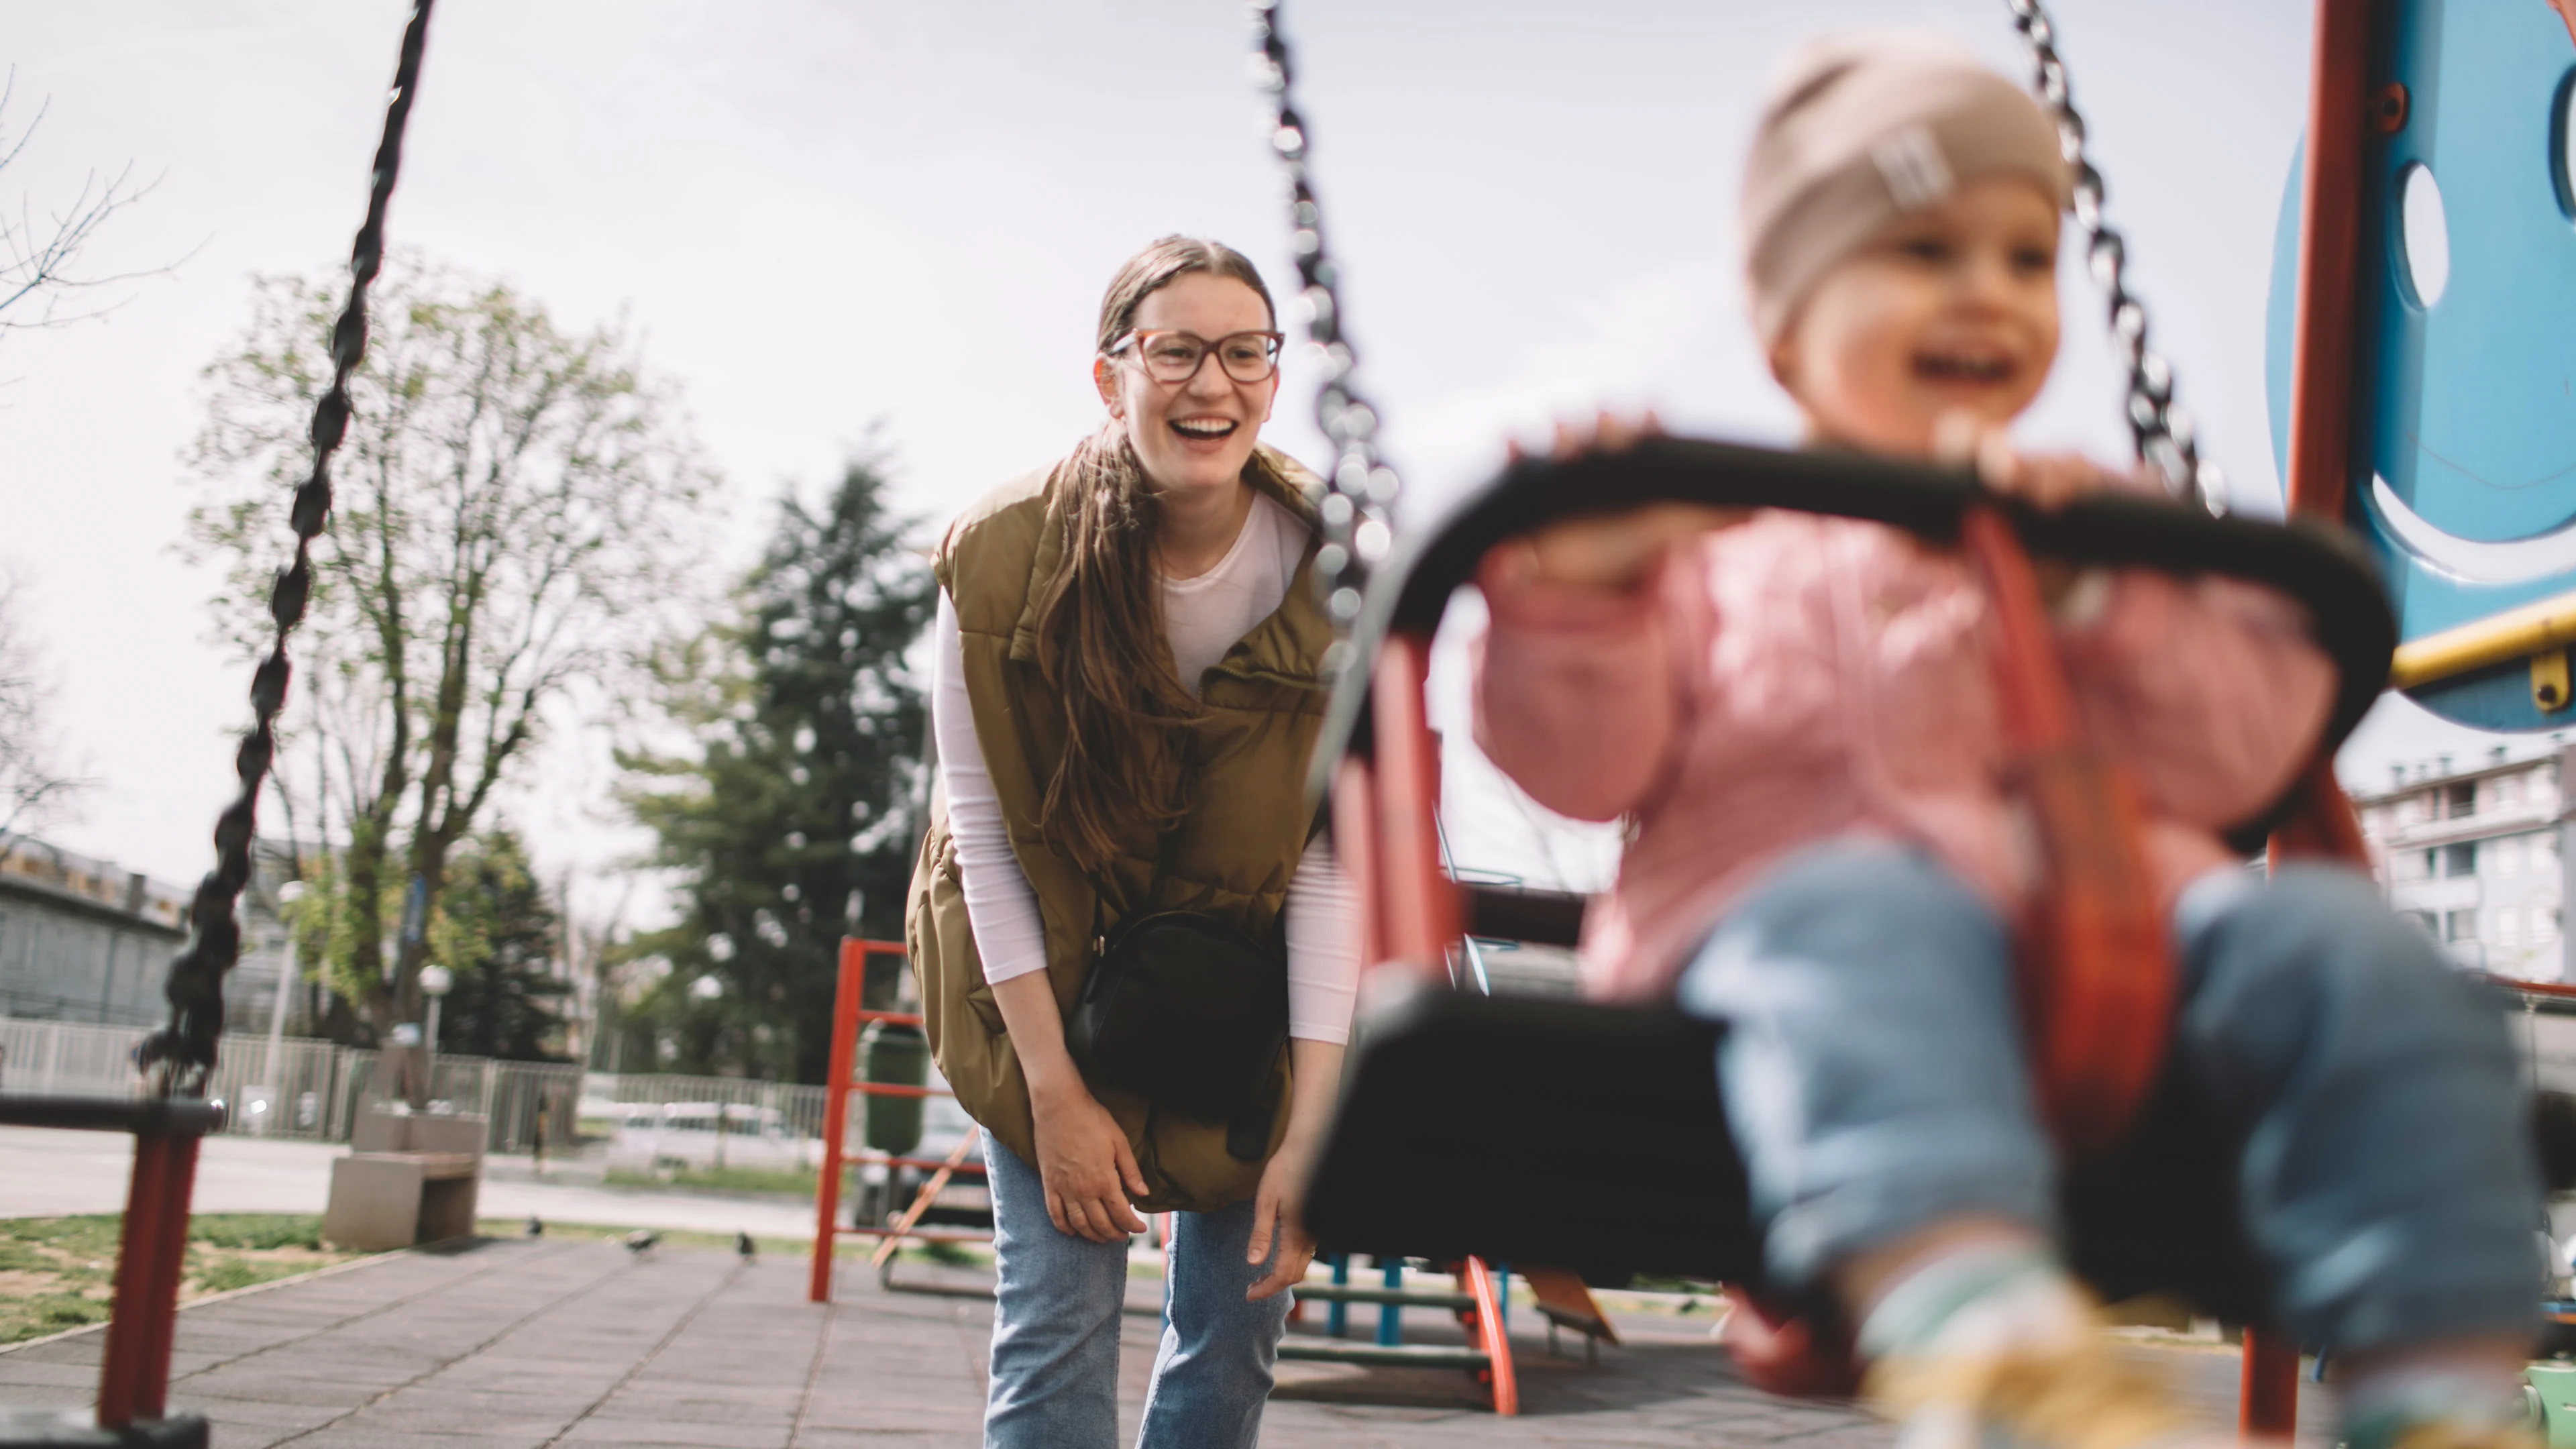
[1125, 693]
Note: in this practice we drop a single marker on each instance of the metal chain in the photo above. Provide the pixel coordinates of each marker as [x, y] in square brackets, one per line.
[181, 1056]
[2160, 428]
[1362, 488]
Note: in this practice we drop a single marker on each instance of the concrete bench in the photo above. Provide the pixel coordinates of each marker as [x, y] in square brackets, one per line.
[412, 1178]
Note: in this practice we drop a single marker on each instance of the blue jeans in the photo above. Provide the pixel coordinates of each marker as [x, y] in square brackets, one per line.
[1055, 1329]
[1875, 1081]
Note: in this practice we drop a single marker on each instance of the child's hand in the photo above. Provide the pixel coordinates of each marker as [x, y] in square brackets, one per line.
[2049, 480]
[1603, 550]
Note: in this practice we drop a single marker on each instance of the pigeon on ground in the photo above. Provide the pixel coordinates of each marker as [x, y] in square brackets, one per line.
[641, 1241]
[536, 1227]
[743, 1246]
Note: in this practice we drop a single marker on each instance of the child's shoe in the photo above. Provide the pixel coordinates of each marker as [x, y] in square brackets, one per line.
[2432, 1407]
[1993, 1346]
[2075, 1395]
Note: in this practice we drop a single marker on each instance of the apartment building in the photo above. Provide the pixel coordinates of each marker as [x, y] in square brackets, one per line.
[90, 941]
[2478, 857]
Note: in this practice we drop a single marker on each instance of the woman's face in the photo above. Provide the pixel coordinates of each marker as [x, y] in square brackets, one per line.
[1198, 433]
[1950, 309]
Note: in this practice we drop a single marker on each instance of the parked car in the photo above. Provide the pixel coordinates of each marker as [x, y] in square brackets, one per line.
[686, 1134]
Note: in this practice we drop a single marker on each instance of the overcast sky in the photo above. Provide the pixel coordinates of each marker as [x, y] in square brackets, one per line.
[798, 201]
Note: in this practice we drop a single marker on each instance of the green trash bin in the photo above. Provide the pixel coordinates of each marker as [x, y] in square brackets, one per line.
[896, 1055]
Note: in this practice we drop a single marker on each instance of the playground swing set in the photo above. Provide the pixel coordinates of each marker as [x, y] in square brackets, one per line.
[2385, 378]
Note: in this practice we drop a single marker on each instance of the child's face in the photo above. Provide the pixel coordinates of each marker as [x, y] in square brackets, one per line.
[1950, 309]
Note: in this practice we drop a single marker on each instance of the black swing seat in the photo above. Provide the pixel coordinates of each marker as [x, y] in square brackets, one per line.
[1591, 1136]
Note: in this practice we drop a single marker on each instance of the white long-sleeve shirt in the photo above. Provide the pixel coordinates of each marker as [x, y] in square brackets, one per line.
[1203, 616]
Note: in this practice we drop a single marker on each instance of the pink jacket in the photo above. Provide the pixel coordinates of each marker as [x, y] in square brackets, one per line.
[1796, 677]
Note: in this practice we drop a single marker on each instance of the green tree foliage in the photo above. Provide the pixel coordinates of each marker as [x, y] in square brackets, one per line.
[517, 505]
[496, 933]
[791, 818]
[493, 929]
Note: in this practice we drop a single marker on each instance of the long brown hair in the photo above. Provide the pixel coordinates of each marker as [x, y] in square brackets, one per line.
[1100, 627]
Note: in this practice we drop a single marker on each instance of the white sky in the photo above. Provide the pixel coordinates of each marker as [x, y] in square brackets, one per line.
[1533, 204]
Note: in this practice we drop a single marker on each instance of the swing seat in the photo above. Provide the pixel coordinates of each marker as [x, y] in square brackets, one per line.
[1593, 1137]
[1483, 1126]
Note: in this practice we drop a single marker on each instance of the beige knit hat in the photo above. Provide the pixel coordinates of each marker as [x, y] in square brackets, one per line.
[1861, 128]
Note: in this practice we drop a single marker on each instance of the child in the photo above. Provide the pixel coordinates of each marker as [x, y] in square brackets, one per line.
[1796, 715]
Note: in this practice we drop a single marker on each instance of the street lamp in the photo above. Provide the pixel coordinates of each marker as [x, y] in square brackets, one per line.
[434, 983]
[268, 1100]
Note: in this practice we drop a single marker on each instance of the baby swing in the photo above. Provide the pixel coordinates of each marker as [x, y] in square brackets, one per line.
[1440, 1152]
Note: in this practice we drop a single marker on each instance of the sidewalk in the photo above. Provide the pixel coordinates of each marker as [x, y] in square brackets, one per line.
[52, 1174]
[527, 1345]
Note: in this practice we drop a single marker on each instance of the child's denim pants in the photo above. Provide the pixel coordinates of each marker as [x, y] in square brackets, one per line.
[1876, 1082]
[1055, 1329]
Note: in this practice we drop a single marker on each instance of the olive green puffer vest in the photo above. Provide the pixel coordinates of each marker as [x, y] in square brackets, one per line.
[1230, 857]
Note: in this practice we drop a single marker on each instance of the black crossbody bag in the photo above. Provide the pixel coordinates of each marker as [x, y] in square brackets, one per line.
[1193, 1014]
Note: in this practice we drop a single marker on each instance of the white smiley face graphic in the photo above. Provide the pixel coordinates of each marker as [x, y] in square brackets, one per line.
[2468, 411]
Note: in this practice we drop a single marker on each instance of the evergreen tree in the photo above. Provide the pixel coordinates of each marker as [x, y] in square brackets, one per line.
[495, 932]
[793, 821]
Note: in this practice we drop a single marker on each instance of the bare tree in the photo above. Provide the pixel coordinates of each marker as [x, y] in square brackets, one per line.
[517, 507]
[33, 784]
[41, 281]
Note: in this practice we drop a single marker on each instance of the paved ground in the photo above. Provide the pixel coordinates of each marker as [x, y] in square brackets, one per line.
[531, 1344]
[46, 1174]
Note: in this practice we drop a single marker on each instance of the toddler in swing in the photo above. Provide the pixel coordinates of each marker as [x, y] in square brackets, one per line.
[1797, 716]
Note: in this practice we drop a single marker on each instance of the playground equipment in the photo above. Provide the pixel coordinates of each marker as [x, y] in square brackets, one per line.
[2442, 228]
[1412, 1164]
[848, 1016]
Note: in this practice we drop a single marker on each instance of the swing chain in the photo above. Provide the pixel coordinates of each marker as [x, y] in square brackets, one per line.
[2158, 425]
[1358, 506]
[180, 1058]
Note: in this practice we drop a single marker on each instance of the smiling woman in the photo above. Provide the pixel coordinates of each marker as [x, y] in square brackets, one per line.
[1137, 973]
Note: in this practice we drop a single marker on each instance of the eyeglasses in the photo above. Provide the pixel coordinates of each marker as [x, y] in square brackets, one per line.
[1177, 356]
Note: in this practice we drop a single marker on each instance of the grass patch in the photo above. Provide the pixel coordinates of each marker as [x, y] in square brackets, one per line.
[798, 1182]
[58, 1273]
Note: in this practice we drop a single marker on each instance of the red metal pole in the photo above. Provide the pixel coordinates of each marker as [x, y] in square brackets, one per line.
[1421, 916]
[145, 1277]
[2327, 329]
[2267, 1404]
[1355, 845]
[1491, 1337]
[836, 1112]
[161, 1318]
[2326, 341]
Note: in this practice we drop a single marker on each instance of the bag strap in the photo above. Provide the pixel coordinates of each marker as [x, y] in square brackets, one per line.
[1153, 888]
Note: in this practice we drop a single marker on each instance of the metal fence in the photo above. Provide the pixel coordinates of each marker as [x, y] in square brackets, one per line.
[307, 1088]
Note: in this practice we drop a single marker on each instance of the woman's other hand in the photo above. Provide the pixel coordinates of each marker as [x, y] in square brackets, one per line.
[1275, 1225]
[1316, 1070]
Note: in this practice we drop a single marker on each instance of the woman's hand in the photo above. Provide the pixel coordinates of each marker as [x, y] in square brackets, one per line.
[1084, 1161]
[1316, 1072]
[1275, 1223]
[1086, 1165]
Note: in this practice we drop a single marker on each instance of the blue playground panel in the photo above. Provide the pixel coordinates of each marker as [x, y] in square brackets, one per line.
[2469, 404]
